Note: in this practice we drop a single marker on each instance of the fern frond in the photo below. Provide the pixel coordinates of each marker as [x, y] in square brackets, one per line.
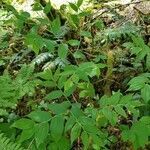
[122, 31]
[6, 144]
[11, 90]
[7, 95]
[25, 72]
[117, 33]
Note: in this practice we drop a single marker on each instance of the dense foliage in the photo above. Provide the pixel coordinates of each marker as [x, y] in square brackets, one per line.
[74, 78]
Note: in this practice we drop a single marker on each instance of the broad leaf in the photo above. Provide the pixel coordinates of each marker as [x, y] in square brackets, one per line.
[79, 3]
[23, 124]
[145, 93]
[85, 139]
[47, 8]
[41, 132]
[57, 127]
[62, 51]
[26, 134]
[120, 111]
[61, 108]
[110, 115]
[75, 132]
[86, 34]
[40, 116]
[54, 95]
[137, 83]
[70, 122]
[55, 26]
[74, 42]
[73, 6]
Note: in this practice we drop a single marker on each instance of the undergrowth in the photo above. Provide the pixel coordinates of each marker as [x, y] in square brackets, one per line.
[68, 81]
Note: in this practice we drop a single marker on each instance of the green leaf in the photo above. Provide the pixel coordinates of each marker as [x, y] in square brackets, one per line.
[115, 98]
[40, 116]
[97, 142]
[41, 132]
[79, 3]
[83, 94]
[57, 127]
[53, 146]
[145, 93]
[88, 90]
[69, 70]
[108, 101]
[76, 110]
[55, 26]
[110, 115]
[63, 144]
[70, 122]
[120, 111]
[70, 91]
[78, 54]
[137, 134]
[75, 132]
[54, 95]
[50, 45]
[99, 24]
[26, 134]
[62, 51]
[89, 68]
[61, 108]
[68, 84]
[85, 139]
[73, 6]
[74, 42]
[11, 8]
[145, 120]
[148, 61]
[88, 125]
[91, 129]
[47, 8]
[126, 99]
[34, 41]
[137, 83]
[86, 34]
[56, 75]
[75, 20]
[37, 7]
[23, 124]
[61, 81]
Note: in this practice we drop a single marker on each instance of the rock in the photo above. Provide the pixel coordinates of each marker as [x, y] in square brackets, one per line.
[143, 7]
